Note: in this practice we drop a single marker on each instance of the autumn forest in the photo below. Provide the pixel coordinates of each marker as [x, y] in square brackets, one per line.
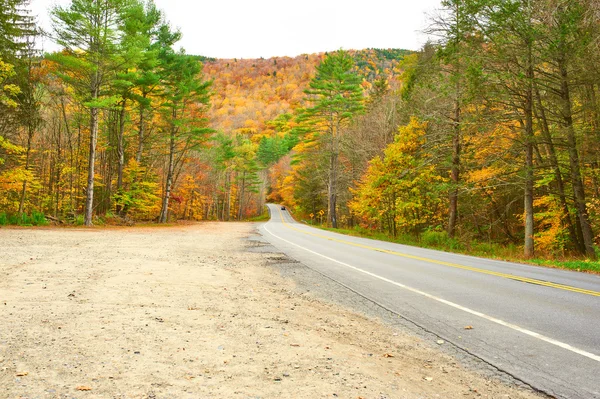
[488, 136]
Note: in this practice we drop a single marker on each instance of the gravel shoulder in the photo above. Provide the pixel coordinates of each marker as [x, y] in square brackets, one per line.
[198, 311]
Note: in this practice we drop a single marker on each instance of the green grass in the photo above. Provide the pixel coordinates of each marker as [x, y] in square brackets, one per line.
[35, 219]
[580, 265]
[264, 217]
[439, 240]
[79, 220]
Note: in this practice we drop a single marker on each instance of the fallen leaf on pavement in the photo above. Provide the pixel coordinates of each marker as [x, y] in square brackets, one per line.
[22, 373]
[440, 341]
[83, 388]
[294, 344]
[468, 327]
[428, 378]
[388, 355]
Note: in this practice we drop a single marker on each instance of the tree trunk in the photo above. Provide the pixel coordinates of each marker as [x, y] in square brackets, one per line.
[140, 149]
[594, 121]
[332, 191]
[393, 205]
[30, 133]
[89, 198]
[560, 185]
[242, 193]
[227, 204]
[529, 138]
[120, 155]
[121, 147]
[456, 136]
[454, 171]
[164, 212]
[333, 175]
[72, 161]
[578, 189]
[58, 169]
[78, 171]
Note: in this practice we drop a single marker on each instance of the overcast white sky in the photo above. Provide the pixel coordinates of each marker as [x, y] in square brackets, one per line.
[268, 28]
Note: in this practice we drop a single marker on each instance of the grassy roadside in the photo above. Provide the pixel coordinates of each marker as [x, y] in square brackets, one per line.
[264, 217]
[38, 219]
[24, 219]
[440, 241]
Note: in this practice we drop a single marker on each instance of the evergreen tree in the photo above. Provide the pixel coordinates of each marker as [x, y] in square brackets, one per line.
[90, 32]
[17, 27]
[16, 23]
[336, 97]
[137, 63]
[455, 29]
[145, 79]
[185, 97]
[246, 168]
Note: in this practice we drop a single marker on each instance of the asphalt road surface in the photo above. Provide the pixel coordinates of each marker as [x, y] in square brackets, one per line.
[540, 325]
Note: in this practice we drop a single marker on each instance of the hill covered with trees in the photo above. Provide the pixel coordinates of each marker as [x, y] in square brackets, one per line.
[488, 135]
[133, 129]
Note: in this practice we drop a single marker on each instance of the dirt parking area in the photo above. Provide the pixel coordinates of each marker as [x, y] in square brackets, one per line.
[190, 312]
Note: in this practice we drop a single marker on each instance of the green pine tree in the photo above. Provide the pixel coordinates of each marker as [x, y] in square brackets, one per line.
[185, 98]
[90, 33]
[336, 97]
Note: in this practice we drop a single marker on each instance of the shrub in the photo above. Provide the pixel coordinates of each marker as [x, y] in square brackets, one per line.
[38, 219]
[440, 239]
[35, 219]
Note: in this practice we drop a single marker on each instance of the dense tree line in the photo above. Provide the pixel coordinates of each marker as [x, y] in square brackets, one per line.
[106, 125]
[493, 135]
[489, 133]
[120, 126]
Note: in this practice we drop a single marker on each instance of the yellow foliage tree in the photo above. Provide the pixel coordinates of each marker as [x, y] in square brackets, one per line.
[400, 192]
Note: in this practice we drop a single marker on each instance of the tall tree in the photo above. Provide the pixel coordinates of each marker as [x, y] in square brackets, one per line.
[246, 168]
[336, 97]
[146, 78]
[90, 32]
[138, 62]
[16, 26]
[29, 98]
[455, 29]
[512, 33]
[16, 23]
[185, 99]
[568, 33]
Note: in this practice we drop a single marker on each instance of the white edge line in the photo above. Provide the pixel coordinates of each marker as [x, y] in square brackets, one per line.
[452, 304]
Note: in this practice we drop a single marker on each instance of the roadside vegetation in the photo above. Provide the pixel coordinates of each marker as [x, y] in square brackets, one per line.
[439, 240]
[485, 140]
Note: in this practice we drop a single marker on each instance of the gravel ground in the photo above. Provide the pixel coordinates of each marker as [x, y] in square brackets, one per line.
[203, 311]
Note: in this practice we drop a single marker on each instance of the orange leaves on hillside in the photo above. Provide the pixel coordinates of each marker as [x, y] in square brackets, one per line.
[257, 90]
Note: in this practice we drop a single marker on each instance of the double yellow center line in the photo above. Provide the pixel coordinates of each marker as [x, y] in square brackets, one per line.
[449, 264]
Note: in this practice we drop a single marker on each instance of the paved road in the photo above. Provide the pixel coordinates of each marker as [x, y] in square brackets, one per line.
[539, 325]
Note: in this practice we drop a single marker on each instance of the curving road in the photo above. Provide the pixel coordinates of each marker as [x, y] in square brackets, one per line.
[540, 325]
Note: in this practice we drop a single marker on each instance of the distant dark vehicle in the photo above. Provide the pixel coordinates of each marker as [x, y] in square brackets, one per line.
[283, 208]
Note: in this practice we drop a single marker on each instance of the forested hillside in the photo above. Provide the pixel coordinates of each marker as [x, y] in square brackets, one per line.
[489, 134]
